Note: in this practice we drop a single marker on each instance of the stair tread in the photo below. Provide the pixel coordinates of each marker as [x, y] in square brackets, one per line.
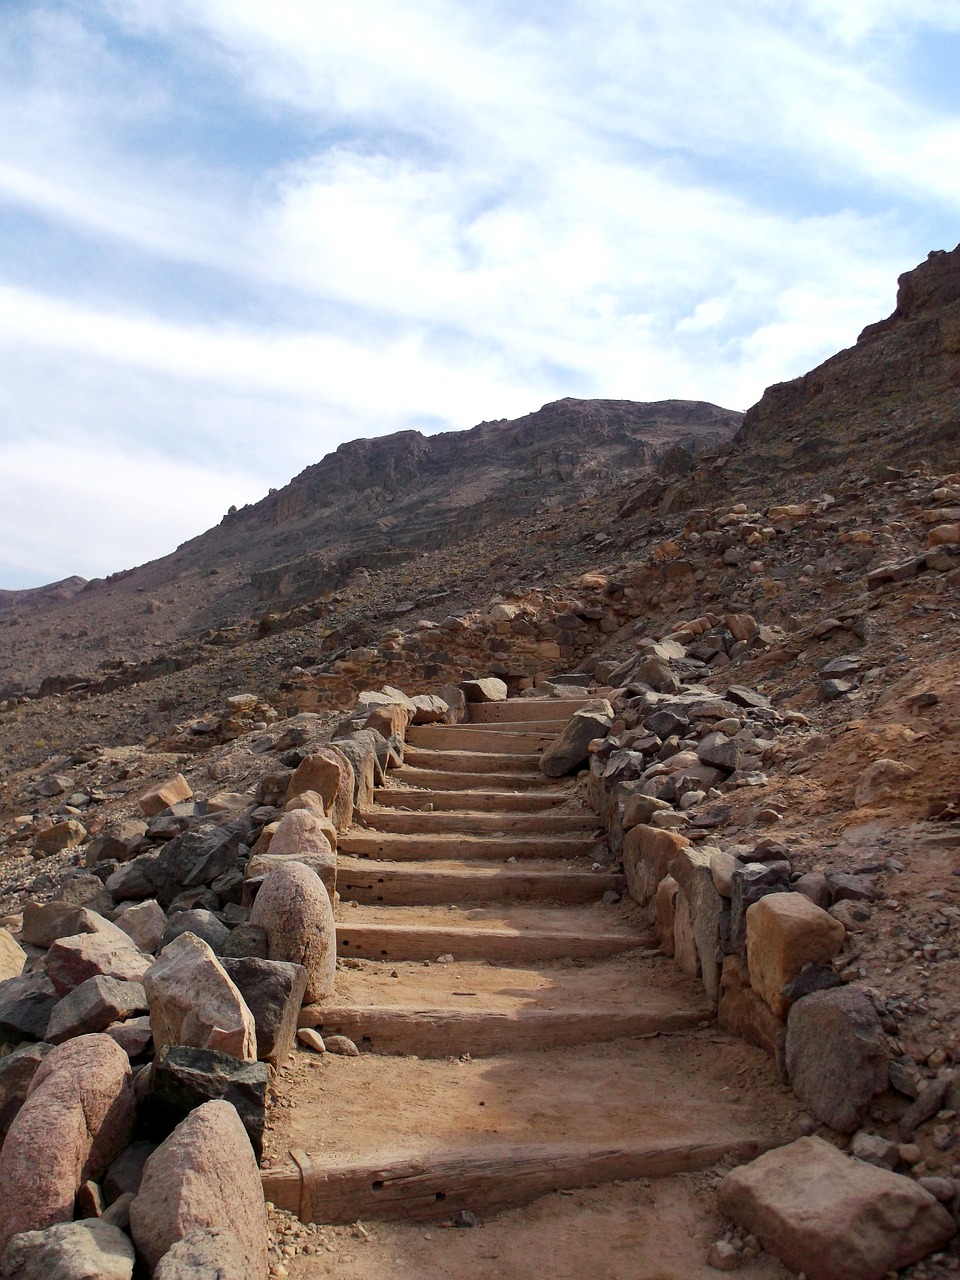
[595, 918]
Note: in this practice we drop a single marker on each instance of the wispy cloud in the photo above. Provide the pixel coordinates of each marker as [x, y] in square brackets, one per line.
[236, 235]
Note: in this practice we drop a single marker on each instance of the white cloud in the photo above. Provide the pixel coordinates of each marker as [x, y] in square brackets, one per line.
[488, 209]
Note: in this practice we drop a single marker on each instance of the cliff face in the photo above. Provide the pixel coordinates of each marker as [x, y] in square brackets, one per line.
[371, 504]
[890, 400]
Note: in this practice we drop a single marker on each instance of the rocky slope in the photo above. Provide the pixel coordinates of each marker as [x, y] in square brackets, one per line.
[372, 504]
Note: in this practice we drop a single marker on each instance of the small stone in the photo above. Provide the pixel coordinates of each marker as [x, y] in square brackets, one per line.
[464, 1218]
[722, 1256]
[341, 1045]
[311, 1039]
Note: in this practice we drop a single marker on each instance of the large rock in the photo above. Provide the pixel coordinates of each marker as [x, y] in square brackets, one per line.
[12, 956]
[198, 921]
[833, 1217]
[184, 1078]
[88, 1250]
[17, 1069]
[647, 854]
[73, 960]
[569, 750]
[77, 1117]
[785, 931]
[194, 859]
[144, 923]
[93, 1006]
[301, 835]
[836, 1055]
[320, 772]
[743, 1013]
[273, 991]
[750, 883]
[164, 794]
[203, 1177]
[489, 689]
[880, 779]
[193, 1002]
[208, 1254]
[698, 901]
[26, 1004]
[294, 908]
[311, 802]
[44, 922]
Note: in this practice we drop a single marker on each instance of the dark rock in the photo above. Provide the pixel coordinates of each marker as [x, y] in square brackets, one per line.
[569, 750]
[246, 940]
[194, 859]
[851, 888]
[26, 1004]
[136, 879]
[124, 1174]
[93, 1005]
[815, 977]
[744, 697]
[202, 923]
[273, 990]
[666, 723]
[833, 689]
[719, 751]
[837, 1055]
[16, 1071]
[814, 886]
[184, 1078]
[750, 883]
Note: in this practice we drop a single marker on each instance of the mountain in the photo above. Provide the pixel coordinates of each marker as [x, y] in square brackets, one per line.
[371, 504]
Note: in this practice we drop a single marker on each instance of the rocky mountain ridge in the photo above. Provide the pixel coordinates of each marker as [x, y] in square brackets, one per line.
[372, 504]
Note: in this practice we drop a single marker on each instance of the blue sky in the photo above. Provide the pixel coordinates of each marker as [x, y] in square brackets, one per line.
[234, 234]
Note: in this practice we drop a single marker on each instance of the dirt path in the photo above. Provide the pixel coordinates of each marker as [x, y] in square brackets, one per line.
[528, 1063]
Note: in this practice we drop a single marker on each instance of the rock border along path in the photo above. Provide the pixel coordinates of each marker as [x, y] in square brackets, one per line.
[546, 1009]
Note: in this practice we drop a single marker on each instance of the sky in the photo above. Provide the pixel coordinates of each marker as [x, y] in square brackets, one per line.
[234, 234]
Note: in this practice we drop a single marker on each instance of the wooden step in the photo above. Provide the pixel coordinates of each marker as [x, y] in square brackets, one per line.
[442, 1033]
[437, 1186]
[400, 884]
[441, 737]
[386, 819]
[515, 709]
[460, 779]
[402, 847]
[425, 942]
[413, 1137]
[500, 762]
[470, 801]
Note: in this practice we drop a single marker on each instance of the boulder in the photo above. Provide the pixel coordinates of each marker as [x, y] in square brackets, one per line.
[165, 794]
[569, 750]
[785, 931]
[750, 883]
[144, 923]
[134, 1036]
[294, 908]
[246, 940]
[836, 1055]
[743, 1013]
[320, 772]
[303, 835]
[72, 960]
[311, 802]
[360, 750]
[208, 1254]
[428, 708]
[194, 859]
[87, 1250]
[17, 1069]
[12, 956]
[489, 689]
[193, 1002]
[44, 923]
[201, 923]
[665, 911]
[183, 1078]
[203, 1177]
[77, 1117]
[261, 864]
[833, 1217]
[119, 842]
[136, 879]
[647, 854]
[880, 779]
[126, 1171]
[25, 1007]
[699, 901]
[62, 835]
[273, 991]
[93, 1006]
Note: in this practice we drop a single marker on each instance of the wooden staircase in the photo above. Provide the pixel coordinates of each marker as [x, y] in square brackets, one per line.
[539, 1042]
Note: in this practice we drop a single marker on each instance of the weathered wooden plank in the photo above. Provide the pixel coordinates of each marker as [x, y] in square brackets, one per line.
[519, 709]
[488, 1180]
[384, 818]
[479, 801]
[440, 737]
[438, 1033]
[403, 847]
[458, 777]
[511, 946]
[500, 762]
[404, 884]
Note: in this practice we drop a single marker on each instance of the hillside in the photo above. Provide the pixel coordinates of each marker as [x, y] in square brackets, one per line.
[371, 504]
